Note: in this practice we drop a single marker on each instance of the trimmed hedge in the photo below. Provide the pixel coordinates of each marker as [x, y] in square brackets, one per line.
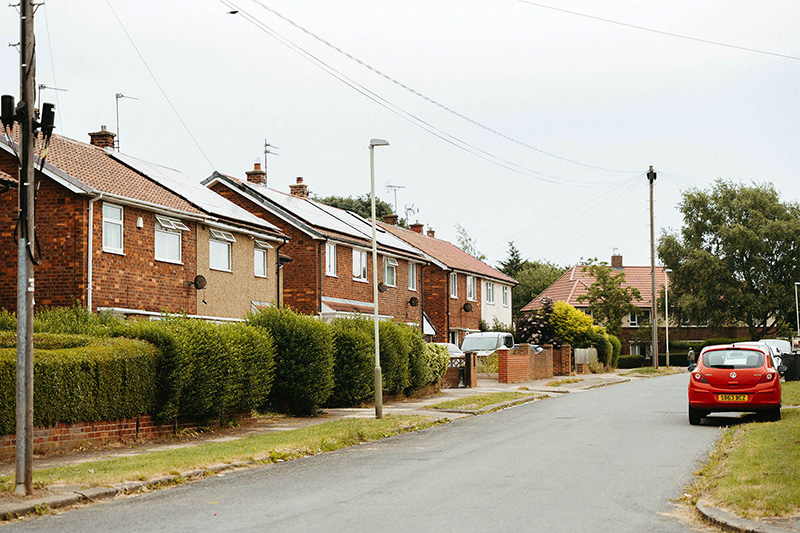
[394, 357]
[436, 357]
[107, 379]
[354, 362]
[617, 350]
[419, 370]
[303, 359]
[631, 361]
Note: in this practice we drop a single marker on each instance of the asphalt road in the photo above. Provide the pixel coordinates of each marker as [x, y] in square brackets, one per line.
[608, 459]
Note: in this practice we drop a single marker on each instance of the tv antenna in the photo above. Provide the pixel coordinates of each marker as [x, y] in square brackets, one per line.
[410, 209]
[267, 152]
[43, 87]
[393, 188]
[118, 96]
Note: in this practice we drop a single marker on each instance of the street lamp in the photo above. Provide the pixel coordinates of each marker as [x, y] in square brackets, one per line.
[796, 308]
[378, 380]
[667, 271]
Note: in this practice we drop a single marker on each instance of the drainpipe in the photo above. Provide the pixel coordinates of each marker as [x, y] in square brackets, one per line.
[422, 298]
[447, 332]
[89, 252]
[278, 292]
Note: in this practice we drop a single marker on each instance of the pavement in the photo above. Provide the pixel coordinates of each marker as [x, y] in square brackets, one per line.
[54, 497]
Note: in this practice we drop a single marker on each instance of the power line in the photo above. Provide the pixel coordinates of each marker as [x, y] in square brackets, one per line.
[410, 117]
[660, 32]
[163, 93]
[431, 100]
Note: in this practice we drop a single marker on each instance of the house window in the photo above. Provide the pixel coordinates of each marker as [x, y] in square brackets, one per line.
[260, 258]
[638, 318]
[453, 337]
[390, 271]
[112, 228]
[505, 296]
[471, 288]
[219, 250]
[168, 239]
[359, 265]
[490, 292]
[330, 259]
[412, 276]
[453, 285]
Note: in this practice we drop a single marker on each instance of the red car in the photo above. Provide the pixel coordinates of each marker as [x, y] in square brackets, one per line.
[734, 378]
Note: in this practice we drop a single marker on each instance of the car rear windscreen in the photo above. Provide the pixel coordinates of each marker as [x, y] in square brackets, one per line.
[733, 359]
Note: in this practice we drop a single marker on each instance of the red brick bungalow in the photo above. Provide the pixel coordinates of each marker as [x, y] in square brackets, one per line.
[457, 286]
[114, 238]
[331, 254]
[576, 281]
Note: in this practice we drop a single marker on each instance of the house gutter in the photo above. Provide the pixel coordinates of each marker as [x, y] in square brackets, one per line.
[89, 238]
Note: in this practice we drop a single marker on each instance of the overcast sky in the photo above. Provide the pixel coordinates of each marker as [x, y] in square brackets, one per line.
[518, 122]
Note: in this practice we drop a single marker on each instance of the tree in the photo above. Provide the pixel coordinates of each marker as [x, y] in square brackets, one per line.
[513, 264]
[361, 205]
[735, 258]
[535, 327]
[609, 298]
[467, 243]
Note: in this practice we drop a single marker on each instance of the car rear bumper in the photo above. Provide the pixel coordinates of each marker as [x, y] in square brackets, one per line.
[708, 399]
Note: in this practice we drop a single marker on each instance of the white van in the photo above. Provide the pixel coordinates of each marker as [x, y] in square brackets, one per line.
[486, 343]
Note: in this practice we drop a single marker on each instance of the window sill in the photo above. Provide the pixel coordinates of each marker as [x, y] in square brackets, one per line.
[259, 277]
[170, 261]
[115, 252]
[221, 270]
[361, 280]
[331, 275]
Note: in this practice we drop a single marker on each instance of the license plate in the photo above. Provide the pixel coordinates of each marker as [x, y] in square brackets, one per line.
[733, 397]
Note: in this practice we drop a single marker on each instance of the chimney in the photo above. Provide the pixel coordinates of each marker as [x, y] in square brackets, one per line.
[103, 138]
[616, 261]
[299, 189]
[417, 227]
[257, 175]
[431, 233]
[390, 219]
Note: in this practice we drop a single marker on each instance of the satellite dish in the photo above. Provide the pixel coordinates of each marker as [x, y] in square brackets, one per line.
[199, 282]
[414, 301]
[468, 307]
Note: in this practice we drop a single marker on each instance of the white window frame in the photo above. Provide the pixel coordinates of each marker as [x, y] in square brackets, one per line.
[261, 248]
[490, 292]
[330, 259]
[390, 266]
[472, 289]
[412, 276]
[453, 285]
[115, 223]
[505, 295]
[216, 240]
[360, 265]
[166, 226]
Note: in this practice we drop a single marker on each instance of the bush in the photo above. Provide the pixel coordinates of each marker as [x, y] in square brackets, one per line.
[8, 321]
[46, 341]
[394, 357]
[354, 362]
[616, 350]
[107, 379]
[631, 361]
[436, 357]
[303, 359]
[75, 320]
[419, 370]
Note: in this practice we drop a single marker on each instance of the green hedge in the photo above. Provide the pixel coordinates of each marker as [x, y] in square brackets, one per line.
[617, 350]
[107, 379]
[436, 357]
[303, 359]
[354, 362]
[631, 361]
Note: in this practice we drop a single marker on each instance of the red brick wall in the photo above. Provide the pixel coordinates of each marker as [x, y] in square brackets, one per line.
[436, 299]
[136, 280]
[512, 365]
[562, 359]
[301, 280]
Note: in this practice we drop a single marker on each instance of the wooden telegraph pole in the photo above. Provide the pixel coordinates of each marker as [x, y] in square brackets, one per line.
[651, 176]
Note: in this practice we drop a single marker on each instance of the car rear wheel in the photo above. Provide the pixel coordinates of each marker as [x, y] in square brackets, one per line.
[695, 415]
[773, 415]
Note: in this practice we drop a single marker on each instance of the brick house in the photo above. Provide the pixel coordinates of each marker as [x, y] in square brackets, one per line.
[460, 290]
[114, 237]
[576, 281]
[331, 254]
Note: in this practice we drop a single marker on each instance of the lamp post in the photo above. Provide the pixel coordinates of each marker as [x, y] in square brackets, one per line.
[667, 271]
[796, 308]
[378, 380]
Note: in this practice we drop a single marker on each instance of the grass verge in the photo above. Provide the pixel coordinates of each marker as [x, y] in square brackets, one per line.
[267, 448]
[649, 371]
[475, 403]
[754, 470]
[790, 393]
[559, 382]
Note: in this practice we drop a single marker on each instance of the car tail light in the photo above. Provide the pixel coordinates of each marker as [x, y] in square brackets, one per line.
[699, 377]
[769, 376]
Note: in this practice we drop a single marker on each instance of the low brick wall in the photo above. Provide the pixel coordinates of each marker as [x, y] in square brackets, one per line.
[523, 364]
[562, 359]
[70, 436]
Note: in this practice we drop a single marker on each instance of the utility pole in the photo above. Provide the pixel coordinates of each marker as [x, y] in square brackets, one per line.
[25, 235]
[651, 177]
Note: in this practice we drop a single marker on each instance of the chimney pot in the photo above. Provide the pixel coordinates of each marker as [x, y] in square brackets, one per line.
[417, 227]
[299, 189]
[257, 175]
[102, 138]
[390, 219]
[431, 233]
